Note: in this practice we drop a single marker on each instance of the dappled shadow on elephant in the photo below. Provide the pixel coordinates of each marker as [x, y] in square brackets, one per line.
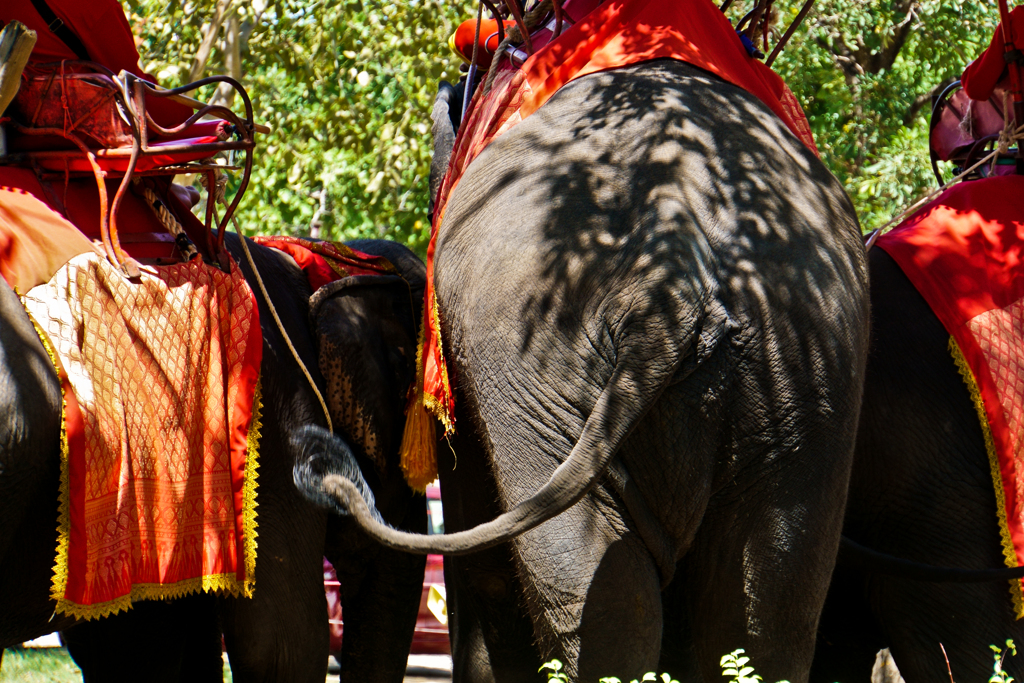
[279, 634]
[921, 490]
[650, 286]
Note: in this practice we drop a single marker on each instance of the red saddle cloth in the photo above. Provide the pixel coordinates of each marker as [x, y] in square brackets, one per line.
[159, 374]
[964, 252]
[325, 262]
[618, 33]
[160, 426]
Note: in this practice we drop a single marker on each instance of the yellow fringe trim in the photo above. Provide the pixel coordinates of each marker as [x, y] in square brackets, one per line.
[418, 454]
[227, 583]
[60, 568]
[1009, 554]
[249, 490]
[439, 409]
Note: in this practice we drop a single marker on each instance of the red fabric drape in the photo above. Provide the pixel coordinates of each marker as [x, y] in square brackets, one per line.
[981, 76]
[104, 31]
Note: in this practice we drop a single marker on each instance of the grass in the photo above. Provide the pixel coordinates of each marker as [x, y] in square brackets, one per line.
[39, 665]
[47, 665]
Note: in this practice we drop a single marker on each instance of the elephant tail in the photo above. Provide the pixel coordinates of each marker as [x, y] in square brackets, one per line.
[630, 392]
[329, 458]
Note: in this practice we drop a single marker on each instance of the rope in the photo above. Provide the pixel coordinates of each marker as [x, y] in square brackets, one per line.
[184, 244]
[1006, 138]
[280, 326]
[532, 19]
[270, 304]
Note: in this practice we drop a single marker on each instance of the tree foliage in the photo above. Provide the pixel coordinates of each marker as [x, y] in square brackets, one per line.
[347, 88]
[865, 73]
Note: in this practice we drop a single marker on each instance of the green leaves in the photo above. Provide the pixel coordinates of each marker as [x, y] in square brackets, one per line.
[554, 668]
[998, 675]
[347, 88]
[734, 666]
[864, 72]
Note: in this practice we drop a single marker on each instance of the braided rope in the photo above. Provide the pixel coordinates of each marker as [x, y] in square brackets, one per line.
[168, 220]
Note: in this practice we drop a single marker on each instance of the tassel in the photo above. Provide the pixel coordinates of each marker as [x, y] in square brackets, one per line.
[419, 446]
[418, 454]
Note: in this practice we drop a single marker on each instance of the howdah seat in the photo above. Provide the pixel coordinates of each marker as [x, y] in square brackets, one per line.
[75, 119]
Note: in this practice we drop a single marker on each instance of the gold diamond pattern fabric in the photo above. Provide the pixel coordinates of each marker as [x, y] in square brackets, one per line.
[165, 371]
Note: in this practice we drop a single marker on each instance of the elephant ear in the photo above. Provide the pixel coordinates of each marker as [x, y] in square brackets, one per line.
[367, 350]
[443, 131]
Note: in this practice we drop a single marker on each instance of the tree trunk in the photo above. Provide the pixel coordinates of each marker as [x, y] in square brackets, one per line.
[209, 38]
[225, 94]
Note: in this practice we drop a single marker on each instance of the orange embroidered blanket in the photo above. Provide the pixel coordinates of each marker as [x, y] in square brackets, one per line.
[161, 418]
[325, 262]
[616, 34]
[965, 253]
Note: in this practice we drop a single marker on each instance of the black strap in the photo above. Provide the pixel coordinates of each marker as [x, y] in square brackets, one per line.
[60, 29]
[1014, 57]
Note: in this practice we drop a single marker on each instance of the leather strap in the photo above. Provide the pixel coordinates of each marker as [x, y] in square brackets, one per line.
[59, 28]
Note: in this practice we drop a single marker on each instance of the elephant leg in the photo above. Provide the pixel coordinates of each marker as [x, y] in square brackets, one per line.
[593, 591]
[471, 661]
[281, 633]
[491, 634]
[380, 597]
[160, 641]
[677, 655]
[922, 619]
[759, 568]
[848, 634]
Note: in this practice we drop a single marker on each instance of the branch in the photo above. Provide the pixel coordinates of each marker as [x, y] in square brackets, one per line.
[856, 61]
[885, 58]
[926, 98]
[203, 54]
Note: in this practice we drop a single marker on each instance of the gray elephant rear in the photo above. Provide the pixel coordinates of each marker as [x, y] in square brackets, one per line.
[656, 229]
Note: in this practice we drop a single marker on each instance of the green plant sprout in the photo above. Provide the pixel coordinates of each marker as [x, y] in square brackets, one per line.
[735, 666]
[554, 668]
[555, 673]
[998, 675]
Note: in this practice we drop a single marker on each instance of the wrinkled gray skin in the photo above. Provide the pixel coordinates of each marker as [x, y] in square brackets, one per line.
[921, 490]
[368, 328]
[653, 287]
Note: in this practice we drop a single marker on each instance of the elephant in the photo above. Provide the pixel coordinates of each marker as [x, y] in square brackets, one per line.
[367, 327]
[654, 313]
[921, 490]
